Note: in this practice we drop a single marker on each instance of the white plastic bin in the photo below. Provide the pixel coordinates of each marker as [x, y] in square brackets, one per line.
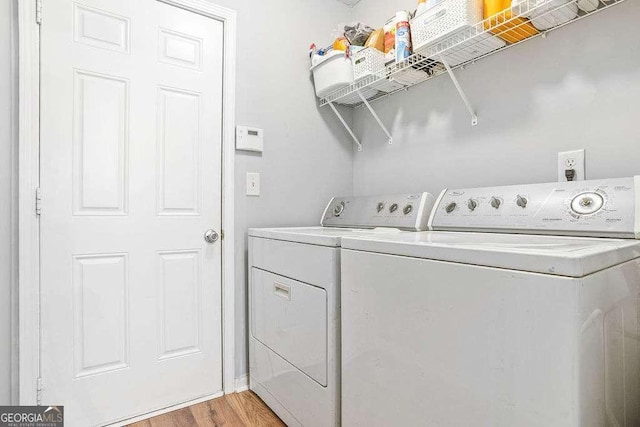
[546, 14]
[444, 20]
[331, 72]
[367, 62]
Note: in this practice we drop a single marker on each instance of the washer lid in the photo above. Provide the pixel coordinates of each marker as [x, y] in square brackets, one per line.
[323, 236]
[562, 256]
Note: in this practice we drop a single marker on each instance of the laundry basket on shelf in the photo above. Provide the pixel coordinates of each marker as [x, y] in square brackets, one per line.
[369, 63]
[449, 25]
[546, 14]
[331, 72]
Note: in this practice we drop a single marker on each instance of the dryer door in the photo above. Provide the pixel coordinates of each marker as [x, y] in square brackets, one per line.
[290, 318]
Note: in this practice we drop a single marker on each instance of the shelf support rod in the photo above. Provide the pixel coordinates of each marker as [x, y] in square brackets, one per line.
[375, 116]
[474, 117]
[346, 126]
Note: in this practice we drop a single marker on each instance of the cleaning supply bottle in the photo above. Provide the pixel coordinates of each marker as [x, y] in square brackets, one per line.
[422, 6]
[403, 36]
[512, 30]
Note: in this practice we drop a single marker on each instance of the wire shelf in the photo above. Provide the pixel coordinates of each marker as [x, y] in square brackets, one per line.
[497, 33]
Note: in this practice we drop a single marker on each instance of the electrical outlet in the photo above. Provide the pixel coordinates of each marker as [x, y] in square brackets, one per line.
[253, 184]
[571, 161]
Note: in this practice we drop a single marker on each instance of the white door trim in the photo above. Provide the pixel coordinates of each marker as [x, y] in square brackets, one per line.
[28, 181]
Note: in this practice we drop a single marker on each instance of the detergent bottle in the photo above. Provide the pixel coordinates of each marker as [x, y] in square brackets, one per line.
[512, 29]
[403, 36]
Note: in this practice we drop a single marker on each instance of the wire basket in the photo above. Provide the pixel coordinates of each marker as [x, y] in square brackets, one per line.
[367, 62]
[443, 20]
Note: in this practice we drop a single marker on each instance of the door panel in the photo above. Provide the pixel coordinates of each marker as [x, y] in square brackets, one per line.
[131, 179]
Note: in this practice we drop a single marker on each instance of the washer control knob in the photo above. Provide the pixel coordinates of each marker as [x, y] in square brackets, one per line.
[380, 207]
[338, 209]
[587, 203]
[472, 204]
[495, 202]
[451, 207]
[407, 209]
[393, 208]
[521, 201]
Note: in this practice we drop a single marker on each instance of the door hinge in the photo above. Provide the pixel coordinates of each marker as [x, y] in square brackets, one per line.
[38, 201]
[221, 234]
[38, 12]
[39, 390]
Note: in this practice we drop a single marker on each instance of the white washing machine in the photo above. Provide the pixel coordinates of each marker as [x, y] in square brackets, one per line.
[294, 303]
[486, 328]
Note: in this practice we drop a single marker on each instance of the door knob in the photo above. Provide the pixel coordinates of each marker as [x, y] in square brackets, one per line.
[211, 236]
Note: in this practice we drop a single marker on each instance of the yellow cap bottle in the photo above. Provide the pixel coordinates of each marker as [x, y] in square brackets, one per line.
[512, 30]
[422, 6]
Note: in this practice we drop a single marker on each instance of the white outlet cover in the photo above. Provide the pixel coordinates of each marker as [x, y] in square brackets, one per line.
[253, 184]
[572, 160]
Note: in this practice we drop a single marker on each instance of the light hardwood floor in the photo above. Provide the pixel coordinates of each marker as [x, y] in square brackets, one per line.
[238, 409]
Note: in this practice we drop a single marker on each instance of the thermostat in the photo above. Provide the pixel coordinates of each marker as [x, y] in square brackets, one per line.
[249, 139]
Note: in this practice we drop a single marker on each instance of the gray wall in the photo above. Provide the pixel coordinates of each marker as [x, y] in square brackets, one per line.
[578, 88]
[7, 205]
[307, 156]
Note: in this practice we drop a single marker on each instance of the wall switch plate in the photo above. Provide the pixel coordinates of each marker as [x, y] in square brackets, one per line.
[568, 160]
[253, 184]
[249, 139]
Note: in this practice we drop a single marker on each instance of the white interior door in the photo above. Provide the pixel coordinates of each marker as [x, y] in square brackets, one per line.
[131, 117]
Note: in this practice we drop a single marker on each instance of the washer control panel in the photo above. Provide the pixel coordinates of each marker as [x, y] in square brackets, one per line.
[402, 211]
[600, 208]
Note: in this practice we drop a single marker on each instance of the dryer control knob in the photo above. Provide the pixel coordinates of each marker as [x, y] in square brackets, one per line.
[451, 207]
[393, 208]
[495, 202]
[338, 209]
[521, 201]
[407, 209]
[380, 207]
[472, 204]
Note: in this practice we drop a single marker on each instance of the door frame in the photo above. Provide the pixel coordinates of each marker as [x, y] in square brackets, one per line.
[29, 181]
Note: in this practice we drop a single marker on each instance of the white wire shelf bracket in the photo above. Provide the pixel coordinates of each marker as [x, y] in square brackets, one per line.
[346, 126]
[456, 51]
[375, 116]
[474, 116]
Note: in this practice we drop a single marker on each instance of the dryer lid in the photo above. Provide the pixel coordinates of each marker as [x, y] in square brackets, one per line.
[562, 256]
[323, 236]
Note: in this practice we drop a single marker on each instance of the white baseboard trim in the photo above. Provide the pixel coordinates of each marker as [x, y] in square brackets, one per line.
[165, 410]
[242, 383]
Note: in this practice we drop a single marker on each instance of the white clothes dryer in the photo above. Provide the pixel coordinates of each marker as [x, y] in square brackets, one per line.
[294, 302]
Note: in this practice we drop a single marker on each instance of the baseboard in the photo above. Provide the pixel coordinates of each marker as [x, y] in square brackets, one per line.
[242, 383]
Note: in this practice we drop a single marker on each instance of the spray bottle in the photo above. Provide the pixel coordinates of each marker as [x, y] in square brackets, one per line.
[403, 36]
